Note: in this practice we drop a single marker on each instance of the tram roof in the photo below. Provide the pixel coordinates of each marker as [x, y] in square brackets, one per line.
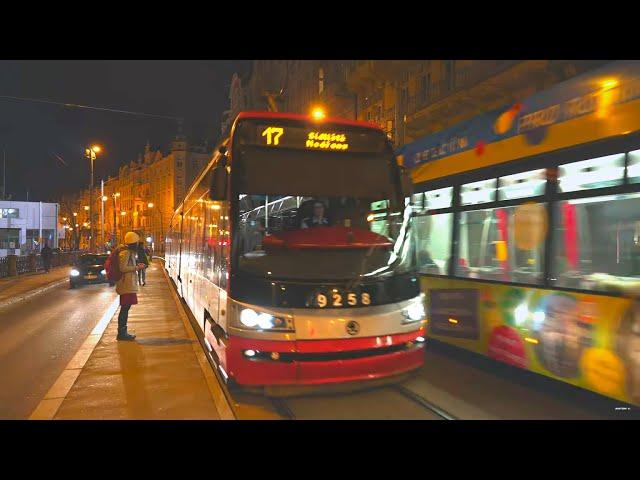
[305, 118]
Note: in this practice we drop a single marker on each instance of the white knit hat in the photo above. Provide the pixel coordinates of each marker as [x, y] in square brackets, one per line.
[131, 237]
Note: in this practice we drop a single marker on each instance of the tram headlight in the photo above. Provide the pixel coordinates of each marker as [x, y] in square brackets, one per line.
[414, 312]
[74, 272]
[249, 318]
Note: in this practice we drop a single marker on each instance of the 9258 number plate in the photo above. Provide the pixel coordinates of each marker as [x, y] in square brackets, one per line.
[335, 298]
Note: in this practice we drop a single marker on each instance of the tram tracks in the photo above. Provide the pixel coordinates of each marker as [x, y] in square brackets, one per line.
[420, 400]
[388, 402]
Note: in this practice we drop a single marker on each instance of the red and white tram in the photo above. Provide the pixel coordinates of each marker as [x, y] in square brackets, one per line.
[294, 251]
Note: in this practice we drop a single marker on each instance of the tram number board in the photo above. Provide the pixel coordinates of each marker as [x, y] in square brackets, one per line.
[337, 298]
[319, 139]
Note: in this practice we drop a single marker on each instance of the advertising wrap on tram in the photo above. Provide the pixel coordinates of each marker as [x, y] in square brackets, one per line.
[583, 339]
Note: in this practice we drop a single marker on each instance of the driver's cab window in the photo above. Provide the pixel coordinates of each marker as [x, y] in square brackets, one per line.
[266, 215]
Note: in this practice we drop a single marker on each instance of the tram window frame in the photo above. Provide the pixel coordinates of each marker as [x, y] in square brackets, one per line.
[551, 198]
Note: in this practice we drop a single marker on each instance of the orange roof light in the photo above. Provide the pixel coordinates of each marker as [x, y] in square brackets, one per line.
[318, 113]
[609, 84]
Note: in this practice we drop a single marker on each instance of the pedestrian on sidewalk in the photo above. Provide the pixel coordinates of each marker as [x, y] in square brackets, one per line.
[127, 286]
[142, 258]
[46, 254]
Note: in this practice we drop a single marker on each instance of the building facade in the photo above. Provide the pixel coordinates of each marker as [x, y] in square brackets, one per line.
[408, 99]
[25, 226]
[142, 197]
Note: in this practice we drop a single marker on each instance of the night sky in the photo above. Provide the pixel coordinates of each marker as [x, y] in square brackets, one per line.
[34, 135]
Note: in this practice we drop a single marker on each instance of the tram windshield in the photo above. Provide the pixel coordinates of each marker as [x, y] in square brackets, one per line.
[309, 214]
[322, 237]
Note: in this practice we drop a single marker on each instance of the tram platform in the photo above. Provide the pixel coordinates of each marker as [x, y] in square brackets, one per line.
[162, 375]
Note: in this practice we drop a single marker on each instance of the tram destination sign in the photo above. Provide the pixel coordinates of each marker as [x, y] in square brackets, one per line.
[327, 138]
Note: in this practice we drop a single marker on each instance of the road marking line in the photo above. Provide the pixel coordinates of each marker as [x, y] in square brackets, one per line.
[32, 293]
[50, 404]
[219, 398]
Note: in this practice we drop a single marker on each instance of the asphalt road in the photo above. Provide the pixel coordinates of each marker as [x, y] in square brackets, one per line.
[39, 336]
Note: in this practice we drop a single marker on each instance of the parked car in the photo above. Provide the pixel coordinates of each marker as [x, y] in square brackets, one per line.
[88, 269]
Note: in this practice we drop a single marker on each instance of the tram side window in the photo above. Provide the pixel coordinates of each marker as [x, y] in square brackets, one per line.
[196, 233]
[433, 242]
[597, 243]
[504, 244]
[211, 244]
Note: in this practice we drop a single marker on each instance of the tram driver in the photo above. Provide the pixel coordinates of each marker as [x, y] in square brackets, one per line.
[318, 219]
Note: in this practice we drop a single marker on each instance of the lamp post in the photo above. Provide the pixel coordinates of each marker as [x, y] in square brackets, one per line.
[75, 232]
[91, 153]
[151, 205]
[115, 217]
[85, 226]
[123, 214]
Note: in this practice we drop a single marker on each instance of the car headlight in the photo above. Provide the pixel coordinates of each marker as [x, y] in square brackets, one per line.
[415, 312]
[249, 318]
[103, 271]
[74, 272]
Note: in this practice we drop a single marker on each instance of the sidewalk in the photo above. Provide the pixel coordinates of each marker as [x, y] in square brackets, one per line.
[14, 289]
[162, 375]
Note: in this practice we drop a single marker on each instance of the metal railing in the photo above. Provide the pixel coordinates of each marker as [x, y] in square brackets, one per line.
[4, 267]
[22, 264]
[462, 78]
[33, 263]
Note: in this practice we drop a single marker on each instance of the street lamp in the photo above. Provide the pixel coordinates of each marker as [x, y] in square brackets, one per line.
[91, 153]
